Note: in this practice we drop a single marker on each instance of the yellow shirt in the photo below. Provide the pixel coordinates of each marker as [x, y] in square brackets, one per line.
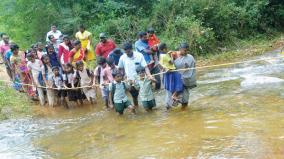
[165, 61]
[84, 38]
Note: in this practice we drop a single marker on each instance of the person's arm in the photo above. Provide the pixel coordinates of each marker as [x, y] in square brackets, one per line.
[121, 66]
[60, 52]
[98, 50]
[71, 56]
[144, 64]
[90, 42]
[44, 76]
[47, 39]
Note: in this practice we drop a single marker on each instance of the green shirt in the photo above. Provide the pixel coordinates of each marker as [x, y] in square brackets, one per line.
[145, 89]
[119, 94]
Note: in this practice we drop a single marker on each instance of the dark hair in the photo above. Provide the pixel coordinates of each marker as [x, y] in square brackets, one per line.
[151, 31]
[184, 45]
[14, 47]
[49, 37]
[55, 68]
[69, 65]
[110, 61]
[49, 46]
[78, 63]
[141, 34]
[30, 55]
[101, 61]
[2, 34]
[162, 46]
[81, 26]
[117, 51]
[42, 58]
[65, 37]
[127, 46]
[116, 73]
[77, 42]
[140, 69]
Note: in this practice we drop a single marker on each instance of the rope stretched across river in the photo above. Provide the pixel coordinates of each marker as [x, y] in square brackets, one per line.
[160, 73]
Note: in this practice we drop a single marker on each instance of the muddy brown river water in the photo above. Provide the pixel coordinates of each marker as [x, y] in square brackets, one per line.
[236, 112]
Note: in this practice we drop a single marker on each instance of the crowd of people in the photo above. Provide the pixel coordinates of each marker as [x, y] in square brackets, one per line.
[67, 71]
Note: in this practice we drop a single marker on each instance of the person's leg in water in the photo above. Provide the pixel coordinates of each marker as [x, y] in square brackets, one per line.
[185, 98]
[156, 70]
[134, 93]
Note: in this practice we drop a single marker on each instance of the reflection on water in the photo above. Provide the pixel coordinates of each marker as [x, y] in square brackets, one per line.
[236, 112]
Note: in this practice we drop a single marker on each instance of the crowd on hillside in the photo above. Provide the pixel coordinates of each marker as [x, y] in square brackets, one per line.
[64, 71]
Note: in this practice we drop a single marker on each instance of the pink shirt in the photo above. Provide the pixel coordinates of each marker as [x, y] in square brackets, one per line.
[4, 48]
[107, 75]
[103, 49]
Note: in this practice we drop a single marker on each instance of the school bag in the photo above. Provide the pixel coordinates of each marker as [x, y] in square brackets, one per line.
[113, 88]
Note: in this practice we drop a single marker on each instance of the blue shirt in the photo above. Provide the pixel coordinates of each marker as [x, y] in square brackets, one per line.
[115, 57]
[8, 55]
[140, 46]
[54, 59]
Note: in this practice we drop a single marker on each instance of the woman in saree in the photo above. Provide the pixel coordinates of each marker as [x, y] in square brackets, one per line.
[85, 38]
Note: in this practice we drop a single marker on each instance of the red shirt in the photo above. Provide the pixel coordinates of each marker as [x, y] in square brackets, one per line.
[153, 40]
[63, 53]
[103, 49]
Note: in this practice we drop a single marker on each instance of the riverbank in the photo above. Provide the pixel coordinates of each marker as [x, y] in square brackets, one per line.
[14, 104]
[242, 50]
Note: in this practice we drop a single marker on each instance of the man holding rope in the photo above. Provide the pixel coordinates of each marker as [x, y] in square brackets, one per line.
[186, 62]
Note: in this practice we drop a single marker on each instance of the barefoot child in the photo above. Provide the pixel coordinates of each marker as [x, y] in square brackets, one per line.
[172, 79]
[57, 80]
[118, 96]
[86, 78]
[144, 85]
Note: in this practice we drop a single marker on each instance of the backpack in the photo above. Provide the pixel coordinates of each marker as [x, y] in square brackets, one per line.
[113, 88]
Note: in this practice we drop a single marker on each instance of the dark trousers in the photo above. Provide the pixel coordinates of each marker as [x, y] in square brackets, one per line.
[156, 70]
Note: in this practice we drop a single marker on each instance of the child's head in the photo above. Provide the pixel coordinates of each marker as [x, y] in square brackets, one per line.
[55, 70]
[68, 67]
[15, 49]
[110, 62]
[45, 59]
[77, 44]
[31, 57]
[102, 62]
[140, 71]
[163, 48]
[40, 46]
[117, 76]
[80, 65]
[151, 31]
[50, 49]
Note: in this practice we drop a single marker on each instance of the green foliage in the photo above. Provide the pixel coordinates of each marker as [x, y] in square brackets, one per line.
[205, 24]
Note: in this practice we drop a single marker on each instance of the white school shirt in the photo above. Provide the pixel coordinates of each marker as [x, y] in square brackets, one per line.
[56, 34]
[131, 63]
[34, 67]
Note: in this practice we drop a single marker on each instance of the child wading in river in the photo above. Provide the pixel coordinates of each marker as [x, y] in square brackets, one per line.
[117, 94]
[144, 85]
[46, 71]
[74, 95]
[86, 78]
[58, 83]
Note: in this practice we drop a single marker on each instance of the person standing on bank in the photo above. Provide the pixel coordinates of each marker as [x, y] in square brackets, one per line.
[105, 46]
[128, 63]
[185, 60]
[53, 31]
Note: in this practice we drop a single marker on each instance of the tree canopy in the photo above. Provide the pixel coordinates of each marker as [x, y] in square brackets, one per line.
[205, 24]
